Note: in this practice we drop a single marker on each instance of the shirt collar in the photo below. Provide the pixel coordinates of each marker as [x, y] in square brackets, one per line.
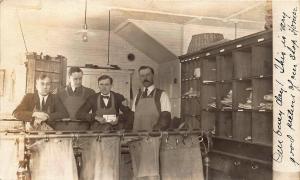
[105, 95]
[73, 88]
[45, 97]
[150, 88]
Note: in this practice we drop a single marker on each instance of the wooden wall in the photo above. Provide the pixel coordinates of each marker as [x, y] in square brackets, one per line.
[53, 41]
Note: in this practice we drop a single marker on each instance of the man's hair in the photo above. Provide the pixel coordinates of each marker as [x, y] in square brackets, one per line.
[43, 76]
[105, 77]
[73, 70]
[146, 67]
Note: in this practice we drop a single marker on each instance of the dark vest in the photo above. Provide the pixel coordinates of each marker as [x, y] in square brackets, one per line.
[156, 98]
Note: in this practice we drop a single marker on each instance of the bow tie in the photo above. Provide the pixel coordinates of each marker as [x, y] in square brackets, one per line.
[105, 97]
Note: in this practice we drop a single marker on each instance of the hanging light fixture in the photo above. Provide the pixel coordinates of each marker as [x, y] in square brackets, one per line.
[108, 45]
[85, 28]
[108, 39]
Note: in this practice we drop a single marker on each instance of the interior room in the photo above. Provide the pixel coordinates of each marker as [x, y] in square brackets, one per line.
[208, 114]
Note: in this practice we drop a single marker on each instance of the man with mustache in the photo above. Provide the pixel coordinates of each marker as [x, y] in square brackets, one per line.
[152, 111]
[151, 106]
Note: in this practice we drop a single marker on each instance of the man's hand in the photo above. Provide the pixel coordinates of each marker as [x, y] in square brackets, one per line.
[40, 115]
[125, 102]
[114, 122]
[100, 119]
[37, 122]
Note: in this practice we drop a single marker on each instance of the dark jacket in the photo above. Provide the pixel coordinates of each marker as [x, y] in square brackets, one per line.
[31, 102]
[91, 104]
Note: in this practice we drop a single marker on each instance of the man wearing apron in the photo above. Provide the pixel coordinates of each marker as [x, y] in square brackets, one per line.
[152, 111]
[151, 106]
[75, 94]
[105, 105]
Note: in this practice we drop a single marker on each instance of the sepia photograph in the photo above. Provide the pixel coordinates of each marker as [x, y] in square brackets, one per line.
[149, 90]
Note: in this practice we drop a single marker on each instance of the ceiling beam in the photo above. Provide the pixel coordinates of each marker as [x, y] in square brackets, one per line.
[243, 11]
[185, 15]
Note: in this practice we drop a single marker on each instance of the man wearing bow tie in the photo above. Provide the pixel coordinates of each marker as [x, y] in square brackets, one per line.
[105, 105]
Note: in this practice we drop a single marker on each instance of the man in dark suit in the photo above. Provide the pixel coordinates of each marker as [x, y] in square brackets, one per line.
[40, 106]
[105, 105]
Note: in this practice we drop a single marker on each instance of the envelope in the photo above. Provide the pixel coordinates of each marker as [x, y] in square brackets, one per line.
[110, 118]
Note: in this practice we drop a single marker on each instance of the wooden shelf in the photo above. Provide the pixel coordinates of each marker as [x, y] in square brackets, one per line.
[192, 115]
[209, 73]
[238, 110]
[192, 97]
[190, 79]
[243, 157]
[242, 63]
[260, 38]
[55, 68]
[243, 141]
[236, 74]
[208, 82]
[262, 60]
[224, 67]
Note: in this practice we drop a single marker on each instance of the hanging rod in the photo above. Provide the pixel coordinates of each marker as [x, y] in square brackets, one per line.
[61, 120]
[77, 134]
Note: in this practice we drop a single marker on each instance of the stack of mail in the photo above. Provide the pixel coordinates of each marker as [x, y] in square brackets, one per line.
[227, 101]
[248, 104]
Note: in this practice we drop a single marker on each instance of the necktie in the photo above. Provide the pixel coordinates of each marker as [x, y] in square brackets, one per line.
[145, 94]
[43, 104]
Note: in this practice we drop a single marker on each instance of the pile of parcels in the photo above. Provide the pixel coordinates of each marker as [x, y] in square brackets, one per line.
[248, 104]
[226, 102]
[268, 102]
[192, 93]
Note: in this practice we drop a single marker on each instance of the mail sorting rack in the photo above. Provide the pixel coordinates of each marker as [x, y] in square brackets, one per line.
[25, 139]
[232, 98]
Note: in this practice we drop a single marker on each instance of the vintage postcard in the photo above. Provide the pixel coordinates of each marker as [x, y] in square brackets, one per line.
[149, 89]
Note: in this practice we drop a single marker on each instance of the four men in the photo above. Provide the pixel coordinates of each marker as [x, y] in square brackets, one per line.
[151, 106]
